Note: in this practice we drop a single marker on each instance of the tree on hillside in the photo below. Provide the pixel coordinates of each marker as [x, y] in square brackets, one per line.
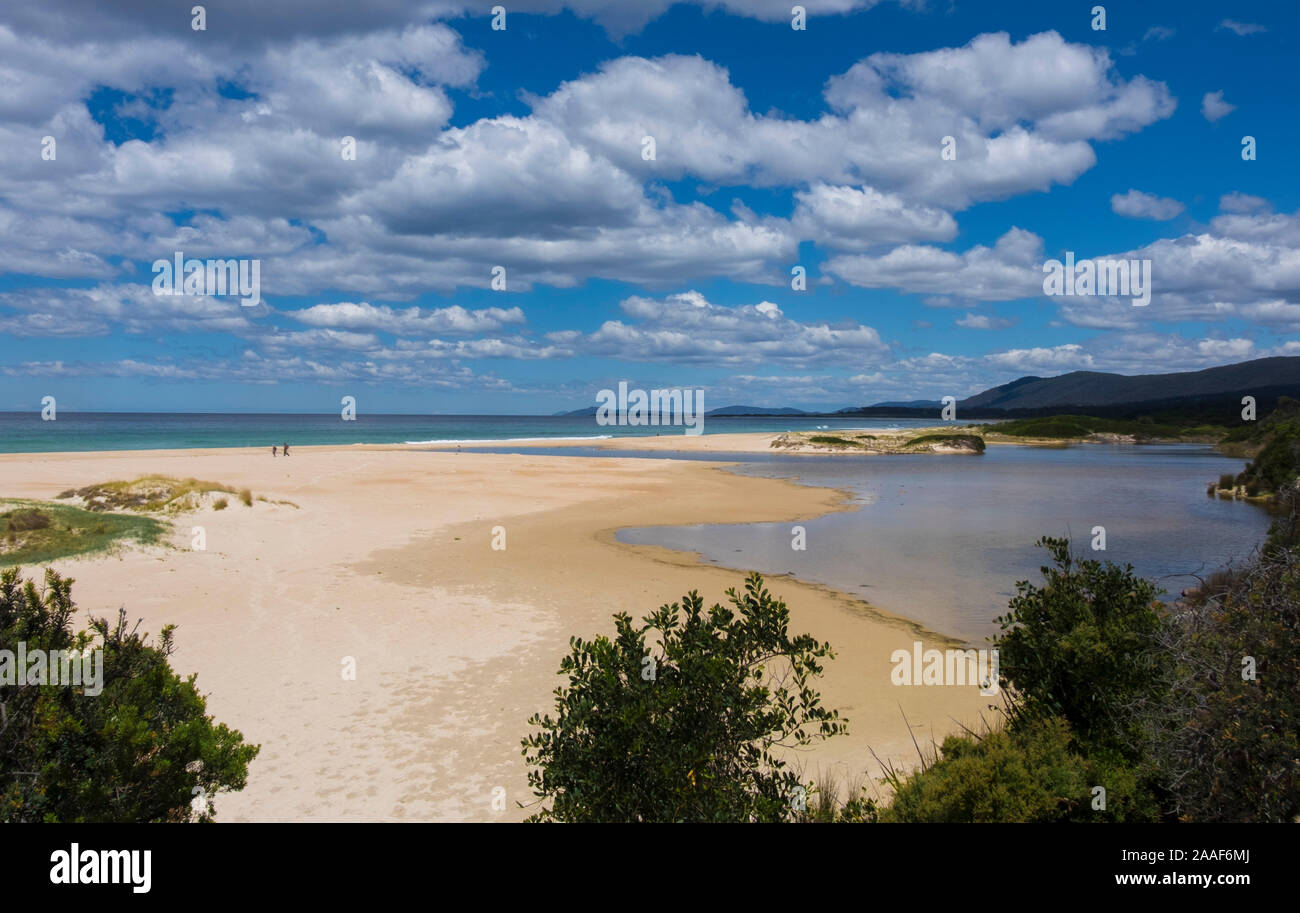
[683, 717]
[142, 749]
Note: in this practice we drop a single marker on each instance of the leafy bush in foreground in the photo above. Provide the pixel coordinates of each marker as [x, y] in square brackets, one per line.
[1032, 773]
[687, 728]
[1227, 737]
[1187, 712]
[1082, 646]
[139, 751]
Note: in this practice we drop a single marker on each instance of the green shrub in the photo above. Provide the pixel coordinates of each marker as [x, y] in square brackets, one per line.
[140, 750]
[973, 441]
[831, 439]
[1082, 646]
[1030, 774]
[685, 727]
[29, 519]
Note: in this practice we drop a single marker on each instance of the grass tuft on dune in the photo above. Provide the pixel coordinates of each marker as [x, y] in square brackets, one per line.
[153, 494]
[35, 532]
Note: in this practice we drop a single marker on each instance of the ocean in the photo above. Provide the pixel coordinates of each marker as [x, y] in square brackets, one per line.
[25, 432]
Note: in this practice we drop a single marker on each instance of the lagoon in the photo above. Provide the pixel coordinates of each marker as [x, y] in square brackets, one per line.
[942, 539]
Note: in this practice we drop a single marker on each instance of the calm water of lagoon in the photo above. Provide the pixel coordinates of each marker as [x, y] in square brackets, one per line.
[942, 539]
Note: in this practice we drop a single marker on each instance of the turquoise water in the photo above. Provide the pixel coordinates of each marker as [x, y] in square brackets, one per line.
[942, 539]
[937, 538]
[25, 432]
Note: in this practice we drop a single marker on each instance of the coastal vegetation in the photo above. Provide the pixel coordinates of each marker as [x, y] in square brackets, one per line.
[681, 717]
[946, 442]
[152, 494]
[1087, 427]
[1116, 708]
[138, 746]
[1273, 444]
[932, 440]
[833, 441]
[34, 532]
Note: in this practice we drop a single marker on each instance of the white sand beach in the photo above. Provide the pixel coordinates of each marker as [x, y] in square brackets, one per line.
[387, 559]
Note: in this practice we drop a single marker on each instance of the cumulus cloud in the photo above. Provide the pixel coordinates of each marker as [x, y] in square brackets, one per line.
[1138, 205]
[1214, 107]
[1239, 264]
[855, 218]
[242, 157]
[1011, 269]
[406, 321]
[1242, 202]
[558, 196]
[1053, 359]
[1021, 114]
[686, 327]
[133, 308]
[985, 322]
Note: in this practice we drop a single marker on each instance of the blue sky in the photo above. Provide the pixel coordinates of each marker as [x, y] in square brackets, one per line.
[523, 148]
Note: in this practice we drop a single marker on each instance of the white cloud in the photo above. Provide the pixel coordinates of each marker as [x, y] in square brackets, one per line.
[1231, 349]
[1011, 269]
[406, 321]
[1022, 115]
[1242, 203]
[686, 327]
[1138, 205]
[1242, 28]
[853, 218]
[984, 322]
[1067, 357]
[1214, 107]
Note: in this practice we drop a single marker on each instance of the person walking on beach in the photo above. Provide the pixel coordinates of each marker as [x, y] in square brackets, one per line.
[272, 450]
[285, 448]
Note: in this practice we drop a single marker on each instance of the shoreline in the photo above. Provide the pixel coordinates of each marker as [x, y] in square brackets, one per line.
[387, 560]
[738, 442]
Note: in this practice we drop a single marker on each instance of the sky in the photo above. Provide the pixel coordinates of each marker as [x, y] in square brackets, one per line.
[645, 179]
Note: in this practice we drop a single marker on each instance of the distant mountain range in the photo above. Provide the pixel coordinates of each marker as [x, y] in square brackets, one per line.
[1090, 388]
[1211, 393]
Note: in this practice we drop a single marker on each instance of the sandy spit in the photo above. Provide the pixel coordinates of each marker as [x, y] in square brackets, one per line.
[387, 559]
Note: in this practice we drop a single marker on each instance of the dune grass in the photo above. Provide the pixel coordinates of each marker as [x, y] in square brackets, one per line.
[151, 494]
[974, 441]
[833, 440]
[35, 532]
